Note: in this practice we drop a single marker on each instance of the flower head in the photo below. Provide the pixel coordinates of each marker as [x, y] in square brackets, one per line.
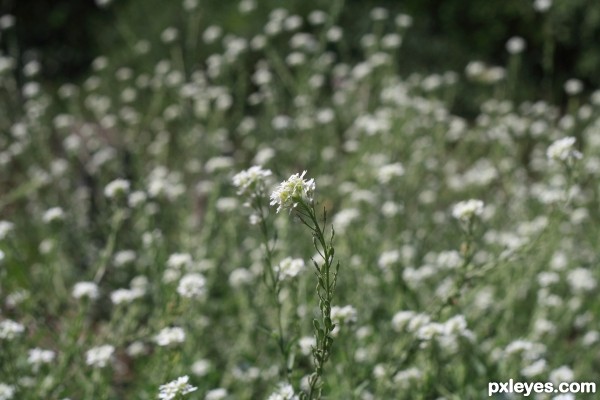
[563, 150]
[10, 329]
[289, 268]
[86, 289]
[192, 285]
[465, 210]
[289, 193]
[179, 386]
[99, 356]
[168, 336]
[285, 391]
[251, 181]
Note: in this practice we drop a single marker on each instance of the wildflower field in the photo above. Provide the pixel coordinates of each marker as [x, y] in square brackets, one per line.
[272, 210]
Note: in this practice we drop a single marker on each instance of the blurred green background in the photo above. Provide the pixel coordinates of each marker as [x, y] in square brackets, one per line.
[67, 34]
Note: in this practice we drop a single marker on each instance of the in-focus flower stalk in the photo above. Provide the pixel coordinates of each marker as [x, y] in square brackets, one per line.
[297, 194]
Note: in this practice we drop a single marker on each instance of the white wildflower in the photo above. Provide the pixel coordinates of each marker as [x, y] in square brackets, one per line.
[168, 336]
[5, 228]
[346, 314]
[10, 329]
[86, 289]
[179, 386]
[542, 5]
[515, 45]
[53, 214]
[7, 392]
[36, 357]
[581, 280]
[561, 374]
[563, 150]
[285, 391]
[201, 367]
[216, 394]
[116, 187]
[125, 296]
[251, 181]
[573, 87]
[466, 210]
[124, 257]
[192, 285]
[99, 356]
[289, 268]
[292, 191]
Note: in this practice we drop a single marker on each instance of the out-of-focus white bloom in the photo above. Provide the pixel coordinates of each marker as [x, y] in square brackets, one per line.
[581, 280]
[179, 386]
[387, 172]
[535, 369]
[563, 150]
[116, 187]
[401, 319]
[251, 181]
[7, 392]
[564, 396]
[53, 214]
[103, 3]
[125, 296]
[247, 6]
[405, 377]
[344, 315]
[136, 198]
[5, 228]
[168, 336]
[515, 45]
[86, 289]
[290, 192]
[403, 21]
[466, 210]
[124, 257]
[37, 357]
[192, 285]
[216, 394]
[179, 261]
[379, 14]
[388, 258]
[201, 367]
[562, 374]
[289, 268]
[344, 218]
[169, 35]
[306, 344]
[240, 277]
[10, 329]
[317, 17]
[285, 391]
[573, 87]
[99, 356]
[136, 349]
[542, 5]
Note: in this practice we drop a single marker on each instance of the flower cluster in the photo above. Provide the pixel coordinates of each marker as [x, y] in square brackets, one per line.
[466, 210]
[168, 336]
[99, 356]
[289, 268]
[290, 192]
[179, 386]
[251, 181]
[285, 391]
[10, 329]
[563, 150]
